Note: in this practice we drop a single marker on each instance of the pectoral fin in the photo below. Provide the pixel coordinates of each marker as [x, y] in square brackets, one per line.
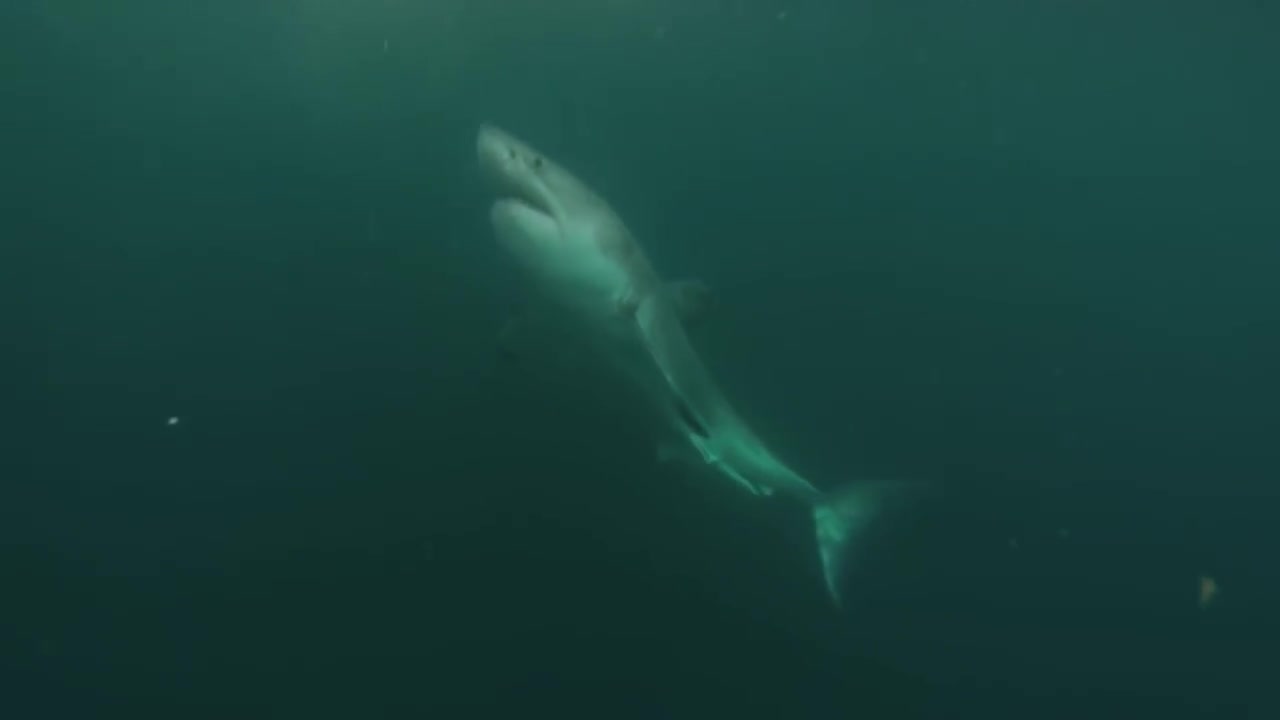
[670, 452]
[530, 335]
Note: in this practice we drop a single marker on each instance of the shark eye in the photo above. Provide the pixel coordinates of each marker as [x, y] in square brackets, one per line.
[511, 153]
[537, 161]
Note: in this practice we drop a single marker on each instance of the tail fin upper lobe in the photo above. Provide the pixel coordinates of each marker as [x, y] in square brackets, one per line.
[840, 518]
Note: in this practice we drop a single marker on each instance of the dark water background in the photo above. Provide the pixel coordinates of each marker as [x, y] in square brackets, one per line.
[1025, 251]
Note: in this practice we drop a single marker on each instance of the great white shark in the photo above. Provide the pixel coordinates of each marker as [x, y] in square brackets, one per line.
[594, 278]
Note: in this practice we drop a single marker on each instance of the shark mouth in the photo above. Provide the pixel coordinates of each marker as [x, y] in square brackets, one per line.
[522, 199]
[515, 172]
[527, 198]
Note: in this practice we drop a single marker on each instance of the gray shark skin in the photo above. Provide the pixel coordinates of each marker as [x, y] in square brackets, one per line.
[591, 274]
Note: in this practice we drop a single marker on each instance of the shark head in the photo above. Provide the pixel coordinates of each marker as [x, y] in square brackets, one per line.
[557, 229]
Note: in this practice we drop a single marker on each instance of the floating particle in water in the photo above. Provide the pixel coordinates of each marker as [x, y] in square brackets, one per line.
[173, 420]
[1208, 591]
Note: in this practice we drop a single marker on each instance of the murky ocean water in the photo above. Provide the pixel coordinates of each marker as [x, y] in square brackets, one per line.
[267, 462]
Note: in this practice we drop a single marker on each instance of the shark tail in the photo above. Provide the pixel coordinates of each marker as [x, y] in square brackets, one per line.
[840, 518]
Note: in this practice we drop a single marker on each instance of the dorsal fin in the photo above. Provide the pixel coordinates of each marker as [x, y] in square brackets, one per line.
[692, 300]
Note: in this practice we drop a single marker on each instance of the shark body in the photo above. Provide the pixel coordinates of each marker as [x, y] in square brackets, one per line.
[595, 278]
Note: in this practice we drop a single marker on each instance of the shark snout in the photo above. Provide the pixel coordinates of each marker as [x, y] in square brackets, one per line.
[517, 171]
[495, 153]
[502, 154]
[491, 144]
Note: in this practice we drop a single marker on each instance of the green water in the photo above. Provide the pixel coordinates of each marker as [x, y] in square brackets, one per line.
[1025, 252]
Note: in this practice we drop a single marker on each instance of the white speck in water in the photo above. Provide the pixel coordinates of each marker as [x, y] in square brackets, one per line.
[174, 420]
[386, 45]
[783, 14]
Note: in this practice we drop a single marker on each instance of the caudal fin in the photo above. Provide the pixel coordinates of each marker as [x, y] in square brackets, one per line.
[840, 518]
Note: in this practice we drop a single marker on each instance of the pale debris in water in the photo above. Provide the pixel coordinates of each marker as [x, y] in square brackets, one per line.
[1208, 591]
[173, 420]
